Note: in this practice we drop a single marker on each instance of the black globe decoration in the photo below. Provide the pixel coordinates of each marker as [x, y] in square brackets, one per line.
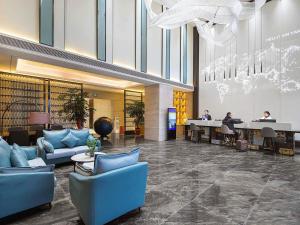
[103, 126]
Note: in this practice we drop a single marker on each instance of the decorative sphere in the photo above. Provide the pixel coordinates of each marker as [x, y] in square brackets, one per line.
[103, 126]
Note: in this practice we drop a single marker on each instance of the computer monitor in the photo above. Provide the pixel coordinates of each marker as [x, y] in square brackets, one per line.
[268, 120]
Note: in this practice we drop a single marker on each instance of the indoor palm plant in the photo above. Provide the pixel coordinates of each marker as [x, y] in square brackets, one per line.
[136, 110]
[75, 106]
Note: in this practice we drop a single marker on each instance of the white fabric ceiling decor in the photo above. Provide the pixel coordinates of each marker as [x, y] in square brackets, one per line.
[205, 14]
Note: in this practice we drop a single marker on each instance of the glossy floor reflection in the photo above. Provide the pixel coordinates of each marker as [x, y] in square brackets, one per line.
[196, 184]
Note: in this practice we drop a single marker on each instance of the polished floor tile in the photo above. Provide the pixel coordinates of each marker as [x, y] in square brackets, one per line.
[195, 184]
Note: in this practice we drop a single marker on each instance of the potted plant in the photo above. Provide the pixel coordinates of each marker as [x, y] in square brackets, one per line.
[136, 110]
[92, 144]
[75, 106]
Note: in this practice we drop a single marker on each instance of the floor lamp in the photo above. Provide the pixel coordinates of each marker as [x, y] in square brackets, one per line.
[5, 111]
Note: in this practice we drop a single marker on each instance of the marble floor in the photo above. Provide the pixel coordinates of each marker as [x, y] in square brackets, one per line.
[195, 184]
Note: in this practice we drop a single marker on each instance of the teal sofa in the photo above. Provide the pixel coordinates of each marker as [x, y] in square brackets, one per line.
[109, 195]
[61, 152]
[22, 188]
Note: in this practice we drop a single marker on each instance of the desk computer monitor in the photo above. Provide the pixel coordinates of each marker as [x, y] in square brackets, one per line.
[268, 120]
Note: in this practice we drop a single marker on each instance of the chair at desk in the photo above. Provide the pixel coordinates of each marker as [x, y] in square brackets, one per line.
[228, 135]
[19, 136]
[269, 135]
[196, 133]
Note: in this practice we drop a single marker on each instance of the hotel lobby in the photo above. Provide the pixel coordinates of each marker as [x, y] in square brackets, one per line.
[149, 112]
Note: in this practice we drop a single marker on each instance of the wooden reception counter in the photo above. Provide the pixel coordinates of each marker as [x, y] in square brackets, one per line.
[248, 130]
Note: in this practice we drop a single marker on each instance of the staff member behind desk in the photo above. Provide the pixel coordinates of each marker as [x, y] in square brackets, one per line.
[206, 116]
[267, 116]
[229, 121]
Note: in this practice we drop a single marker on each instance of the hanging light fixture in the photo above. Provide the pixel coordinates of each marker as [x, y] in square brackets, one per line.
[205, 14]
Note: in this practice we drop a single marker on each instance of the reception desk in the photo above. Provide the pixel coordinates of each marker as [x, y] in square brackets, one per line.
[248, 130]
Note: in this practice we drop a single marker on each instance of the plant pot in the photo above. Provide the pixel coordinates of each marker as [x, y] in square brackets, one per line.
[137, 131]
[79, 124]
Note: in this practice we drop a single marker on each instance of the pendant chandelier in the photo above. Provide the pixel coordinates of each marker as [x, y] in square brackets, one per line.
[205, 14]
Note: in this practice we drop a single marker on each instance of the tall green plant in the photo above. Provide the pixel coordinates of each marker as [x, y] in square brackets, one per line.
[136, 111]
[75, 106]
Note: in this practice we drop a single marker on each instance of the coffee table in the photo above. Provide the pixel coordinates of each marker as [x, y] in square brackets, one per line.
[84, 158]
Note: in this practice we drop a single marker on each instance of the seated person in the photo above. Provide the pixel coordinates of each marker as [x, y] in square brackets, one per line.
[206, 116]
[267, 115]
[229, 121]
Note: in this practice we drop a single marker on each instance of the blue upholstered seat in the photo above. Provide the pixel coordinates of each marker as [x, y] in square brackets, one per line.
[110, 194]
[24, 188]
[61, 153]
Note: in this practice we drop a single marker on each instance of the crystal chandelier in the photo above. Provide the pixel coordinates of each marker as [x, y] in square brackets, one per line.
[205, 14]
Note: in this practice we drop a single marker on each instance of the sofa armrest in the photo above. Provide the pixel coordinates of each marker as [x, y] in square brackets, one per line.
[22, 191]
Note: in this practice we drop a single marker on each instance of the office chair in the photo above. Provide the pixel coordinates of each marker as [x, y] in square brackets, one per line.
[269, 135]
[196, 133]
[228, 135]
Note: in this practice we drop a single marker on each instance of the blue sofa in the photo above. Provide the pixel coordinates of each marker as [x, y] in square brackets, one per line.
[104, 197]
[22, 188]
[61, 152]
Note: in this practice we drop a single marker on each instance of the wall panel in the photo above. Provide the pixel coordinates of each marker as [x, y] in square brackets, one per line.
[190, 54]
[271, 40]
[154, 46]
[124, 33]
[59, 24]
[25, 24]
[80, 27]
[175, 55]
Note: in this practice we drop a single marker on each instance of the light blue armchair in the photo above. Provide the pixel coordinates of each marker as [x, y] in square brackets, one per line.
[22, 191]
[104, 197]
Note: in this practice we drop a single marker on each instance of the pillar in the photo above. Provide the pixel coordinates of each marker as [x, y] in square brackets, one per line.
[158, 98]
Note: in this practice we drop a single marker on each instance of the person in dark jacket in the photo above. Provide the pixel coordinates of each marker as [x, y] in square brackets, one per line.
[229, 121]
[206, 115]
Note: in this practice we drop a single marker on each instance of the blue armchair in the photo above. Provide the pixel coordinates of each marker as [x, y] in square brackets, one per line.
[21, 191]
[104, 197]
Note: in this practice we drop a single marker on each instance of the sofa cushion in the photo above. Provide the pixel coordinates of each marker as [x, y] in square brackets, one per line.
[82, 135]
[36, 162]
[18, 158]
[30, 151]
[80, 149]
[60, 153]
[70, 140]
[55, 137]
[5, 152]
[47, 146]
[104, 163]
[13, 170]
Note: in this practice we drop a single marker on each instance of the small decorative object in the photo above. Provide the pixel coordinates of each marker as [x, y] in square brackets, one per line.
[75, 106]
[136, 110]
[92, 147]
[103, 126]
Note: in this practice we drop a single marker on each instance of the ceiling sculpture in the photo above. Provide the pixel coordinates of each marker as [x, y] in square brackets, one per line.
[205, 14]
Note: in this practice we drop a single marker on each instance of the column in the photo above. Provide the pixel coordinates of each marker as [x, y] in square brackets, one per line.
[158, 98]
